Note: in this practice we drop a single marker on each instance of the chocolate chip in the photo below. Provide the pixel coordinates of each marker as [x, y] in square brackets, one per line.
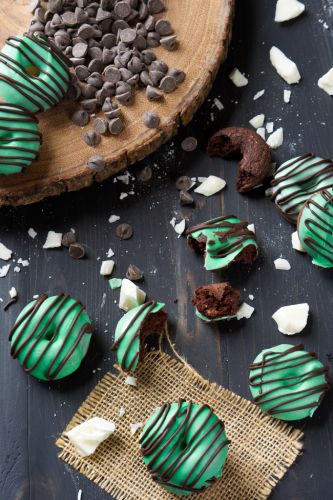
[68, 239]
[112, 74]
[119, 24]
[128, 35]
[144, 174]
[185, 199]
[96, 80]
[80, 118]
[33, 5]
[86, 31]
[95, 53]
[133, 273]
[55, 6]
[102, 14]
[74, 92]
[82, 72]
[40, 15]
[151, 119]
[150, 23]
[135, 65]
[101, 126]
[108, 105]
[95, 65]
[156, 76]
[148, 57]
[80, 50]
[81, 15]
[178, 74]
[159, 65]
[109, 55]
[77, 61]
[69, 19]
[76, 251]
[153, 39]
[169, 42]
[89, 105]
[88, 91]
[109, 89]
[183, 183]
[124, 231]
[108, 40]
[163, 27]
[125, 74]
[92, 138]
[101, 95]
[140, 42]
[116, 126]
[168, 84]
[122, 10]
[143, 12]
[126, 99]
[153, 94]
[155, 6]
[96, 163]
[189, 144]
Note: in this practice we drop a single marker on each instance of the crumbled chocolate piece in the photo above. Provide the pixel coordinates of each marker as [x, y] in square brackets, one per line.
[133, 273]
[68, 239]
[144, 174]
[183, 183]
[80, 118]
[151, 119]
[76, 251]
[185, 199]
[96, 163]
[124, 231]
[189, 144]
[92, 138]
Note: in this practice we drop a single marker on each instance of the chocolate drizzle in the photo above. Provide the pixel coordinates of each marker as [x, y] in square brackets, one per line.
[201, 450]
[29, 332]
[274, 362]
[297, 175]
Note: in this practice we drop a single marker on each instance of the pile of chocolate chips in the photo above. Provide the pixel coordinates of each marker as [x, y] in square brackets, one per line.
[109, 43]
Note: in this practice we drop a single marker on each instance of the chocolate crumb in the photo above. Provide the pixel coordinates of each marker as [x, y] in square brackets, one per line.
[76, 251]
[96, 163]
[124, 231]
[68, 239]
[185, 199]
[183, 183]
[189, 144]
[133, 273]
[145, 174]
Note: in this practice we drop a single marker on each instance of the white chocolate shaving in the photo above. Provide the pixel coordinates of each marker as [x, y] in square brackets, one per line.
[238, 78]
[210, 186]
[130, 295]
[113, 218]
[292, 319]
[32, 233]
[262, 132]
[288, 9]
[107, 267]
[284, 66]
[5, 253]
[275, 140]
[282, 264]
[86, 437]
[286, 96]
[296, 244]
[53, 240]
[135, 427]
[12, 292]
[259, 94]
[129, 380]
[245, 311]
[4, 271]
[326, 82]
[257, 121]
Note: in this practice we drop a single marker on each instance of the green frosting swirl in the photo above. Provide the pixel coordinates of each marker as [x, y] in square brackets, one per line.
[128, 343]
[297, 179]
[225, 239]
[315, 228]
[184, 446]
[20, 139]
[288, 382]
[51, 337]
[33, 73]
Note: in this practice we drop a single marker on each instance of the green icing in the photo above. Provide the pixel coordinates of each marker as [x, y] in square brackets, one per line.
[127, 334]
[288, 382]
[33, 74]
[209, 320]
[51, 337]
[184, 446]
[20, 139]
[115, 283]
[315, 228]
[226, 238]
[297, 179]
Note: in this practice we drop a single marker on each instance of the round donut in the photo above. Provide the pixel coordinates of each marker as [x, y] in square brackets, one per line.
[20, 139]
[288, 382]
[132, 331]
[297, 179]
[34, 73]
[51, 337]
[315, 228]
[184, 446]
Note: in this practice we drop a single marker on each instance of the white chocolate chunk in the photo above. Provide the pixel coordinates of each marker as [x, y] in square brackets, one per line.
[122, 196]
[269, 127]
[284, 66]
[107, 267]
[32, 233]
[286, 96]
[252, 228]
[122, 411]
[296, 244]
[258, 94]
[326, 82]
[124, 178]
[257, 121]
[130, 295]
[53, 240]
[113, 218]
[17, 269]
[282, 264]
[245, 311]
[288, 9]
[262, 132]
[275, 140]
[135, 427]
[251, 297]
[238, 78]
[210, 186]
[5, 253]
[218, 104]
[12, 292]
[129, 380]
[292, 319]
[86, 437]
[110, 253]
[4, 271]
[79, 495]
[180, 227]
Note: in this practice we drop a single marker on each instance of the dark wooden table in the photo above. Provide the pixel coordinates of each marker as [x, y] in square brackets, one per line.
[32, 413]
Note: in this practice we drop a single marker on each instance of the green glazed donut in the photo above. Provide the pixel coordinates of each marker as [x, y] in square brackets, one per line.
[315, 228]
[20, 139]
[34, 73]
[51, 337]
[184, 446]
[288, 382]
[133, 329]
[223, 241]
[297, 179]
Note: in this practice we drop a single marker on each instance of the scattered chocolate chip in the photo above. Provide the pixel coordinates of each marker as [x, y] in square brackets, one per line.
[92, 138]
[96, 65]
[80, 118]
[159, 65]
[74, 92]
[153, 94]
[80, 50]
[96, 163]
[82, 72]
[151, 119]
[101, 126]
[125, 99]
[163, 27]
[169, 42]
[144, 174]
[116, 126]
[112, 74]
[96, 80]
[156, 76]
[133, 273]
[155, 6]
[178, 74]
[109, 40]
[124, 231]
[86, 31]
[189, 144]
[89, 105]
[68, 239]
[122, 10]
[153, 39]
[10, 303]
[102, 14]
[55, 6]
[168, 84]
[183, 183]
[185, 198]
[128, 35]
[69, 19]
[76, 251]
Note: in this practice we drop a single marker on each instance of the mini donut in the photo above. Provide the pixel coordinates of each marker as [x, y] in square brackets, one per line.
[34, 73]
[184, 446]
[288, 382]
[133, 329]
[20, 139]
[51, 337]
[298, 179]
[216, 302]
[223, 241]
[315, 228]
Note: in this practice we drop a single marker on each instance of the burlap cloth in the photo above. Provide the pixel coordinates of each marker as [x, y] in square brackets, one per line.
[261, 451]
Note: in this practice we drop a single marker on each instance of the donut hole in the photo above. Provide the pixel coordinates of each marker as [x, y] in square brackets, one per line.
[32, 71]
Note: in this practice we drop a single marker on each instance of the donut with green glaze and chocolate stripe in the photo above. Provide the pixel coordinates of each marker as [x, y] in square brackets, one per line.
[34, 73]
[20, 139]
[288, 382]
[51, 337]
[298, 179]
[184, 446]
[133, 329]
[315, 228]
[223, 241]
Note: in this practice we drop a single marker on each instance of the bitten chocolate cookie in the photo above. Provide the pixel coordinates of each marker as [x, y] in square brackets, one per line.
[216, 302]
[184, 446]
[223, 241]
[255, 164]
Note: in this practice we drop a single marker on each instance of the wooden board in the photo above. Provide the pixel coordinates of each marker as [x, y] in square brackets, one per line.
[203, 29]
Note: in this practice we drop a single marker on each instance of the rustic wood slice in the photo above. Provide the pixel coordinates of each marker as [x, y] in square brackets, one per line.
[203, 29]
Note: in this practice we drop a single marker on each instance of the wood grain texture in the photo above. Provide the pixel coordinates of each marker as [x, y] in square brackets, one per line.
[33, 414]
[203, 30]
